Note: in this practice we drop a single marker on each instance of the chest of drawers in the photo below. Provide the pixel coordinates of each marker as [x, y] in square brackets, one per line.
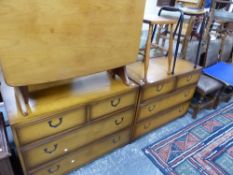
[162, 97]
[71, 124]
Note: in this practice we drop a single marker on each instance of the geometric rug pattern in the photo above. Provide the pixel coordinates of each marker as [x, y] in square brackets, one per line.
[203, 147]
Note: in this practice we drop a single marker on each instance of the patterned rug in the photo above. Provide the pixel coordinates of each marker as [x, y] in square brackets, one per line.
[203, 147]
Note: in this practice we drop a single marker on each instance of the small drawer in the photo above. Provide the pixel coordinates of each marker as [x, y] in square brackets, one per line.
[160, 119]
[40, 129]
[87, 154]
[188, 79]
[74, 140]
[150, 108]
[158, 89]
[106, 106]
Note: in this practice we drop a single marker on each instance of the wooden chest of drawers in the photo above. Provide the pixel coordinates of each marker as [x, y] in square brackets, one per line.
[73, 123]
[163, 97]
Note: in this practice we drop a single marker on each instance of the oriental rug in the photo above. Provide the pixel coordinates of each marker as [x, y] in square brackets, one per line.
[203, 147]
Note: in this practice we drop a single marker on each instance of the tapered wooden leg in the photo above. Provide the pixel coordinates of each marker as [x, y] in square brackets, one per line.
[122, 73]
[147, 52]
[170, 50]
[223, 37]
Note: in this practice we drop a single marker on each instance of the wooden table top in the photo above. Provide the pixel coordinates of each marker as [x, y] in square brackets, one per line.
[48, 40]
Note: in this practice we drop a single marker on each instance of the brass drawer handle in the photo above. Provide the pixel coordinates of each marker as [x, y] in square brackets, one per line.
[181, 109]
[146, 126]
[186, 94]
[118, 122]
[53, 170]
[115, 102]
[151, 108]
[115, 140]
[189, 78]
[159, 88]
[50, 151]
[55, 125]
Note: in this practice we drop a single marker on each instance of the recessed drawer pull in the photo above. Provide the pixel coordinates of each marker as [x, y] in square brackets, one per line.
[151, 108]
[50, 151]
[181, 109]
[159, 88]
[146, 126]
[115, 140]
[189, 78]
[53, 170]
[118, 122]
[186, 94]
[55, 125]
[115, 102]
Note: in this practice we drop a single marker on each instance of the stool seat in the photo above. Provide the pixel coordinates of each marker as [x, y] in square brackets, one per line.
[152, 19]
[192, 11]
[208, 85]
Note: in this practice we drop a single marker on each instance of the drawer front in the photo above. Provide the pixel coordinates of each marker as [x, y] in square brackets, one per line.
[188, 79]
[112, 104]
[166, 102]
[158, 89]
[87, 154]
[158, 120]
[38, 130]
[76, 139]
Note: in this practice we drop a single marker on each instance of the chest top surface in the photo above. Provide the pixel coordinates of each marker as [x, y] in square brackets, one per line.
[75, 93]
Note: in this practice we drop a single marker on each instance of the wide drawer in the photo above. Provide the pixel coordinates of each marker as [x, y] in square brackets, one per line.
[160, 119]
[152, 107]
[106, 106]
[187, 79]
[46, 127]
[85, 155]
[80, 137]
[158, 89]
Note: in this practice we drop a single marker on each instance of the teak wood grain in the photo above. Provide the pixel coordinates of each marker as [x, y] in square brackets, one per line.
[43, 41]
[80, 157]
[159, 119]
[76, 139]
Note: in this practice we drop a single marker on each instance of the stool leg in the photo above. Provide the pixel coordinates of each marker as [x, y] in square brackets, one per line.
[147, 51]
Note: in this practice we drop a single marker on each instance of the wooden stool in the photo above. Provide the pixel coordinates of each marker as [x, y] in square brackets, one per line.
[153, 21]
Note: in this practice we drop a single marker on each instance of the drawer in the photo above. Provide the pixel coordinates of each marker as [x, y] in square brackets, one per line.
[113, 104]
[188, 79]
[40, 129]
[76, 139]
[158, 89]
[160, 119]
[150, 108]
[87, 154]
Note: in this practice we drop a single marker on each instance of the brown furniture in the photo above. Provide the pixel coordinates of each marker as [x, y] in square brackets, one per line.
[191, 3]
[164, 97]
[72, 123]
[47, 41]
[208, 89]
[5, 164]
